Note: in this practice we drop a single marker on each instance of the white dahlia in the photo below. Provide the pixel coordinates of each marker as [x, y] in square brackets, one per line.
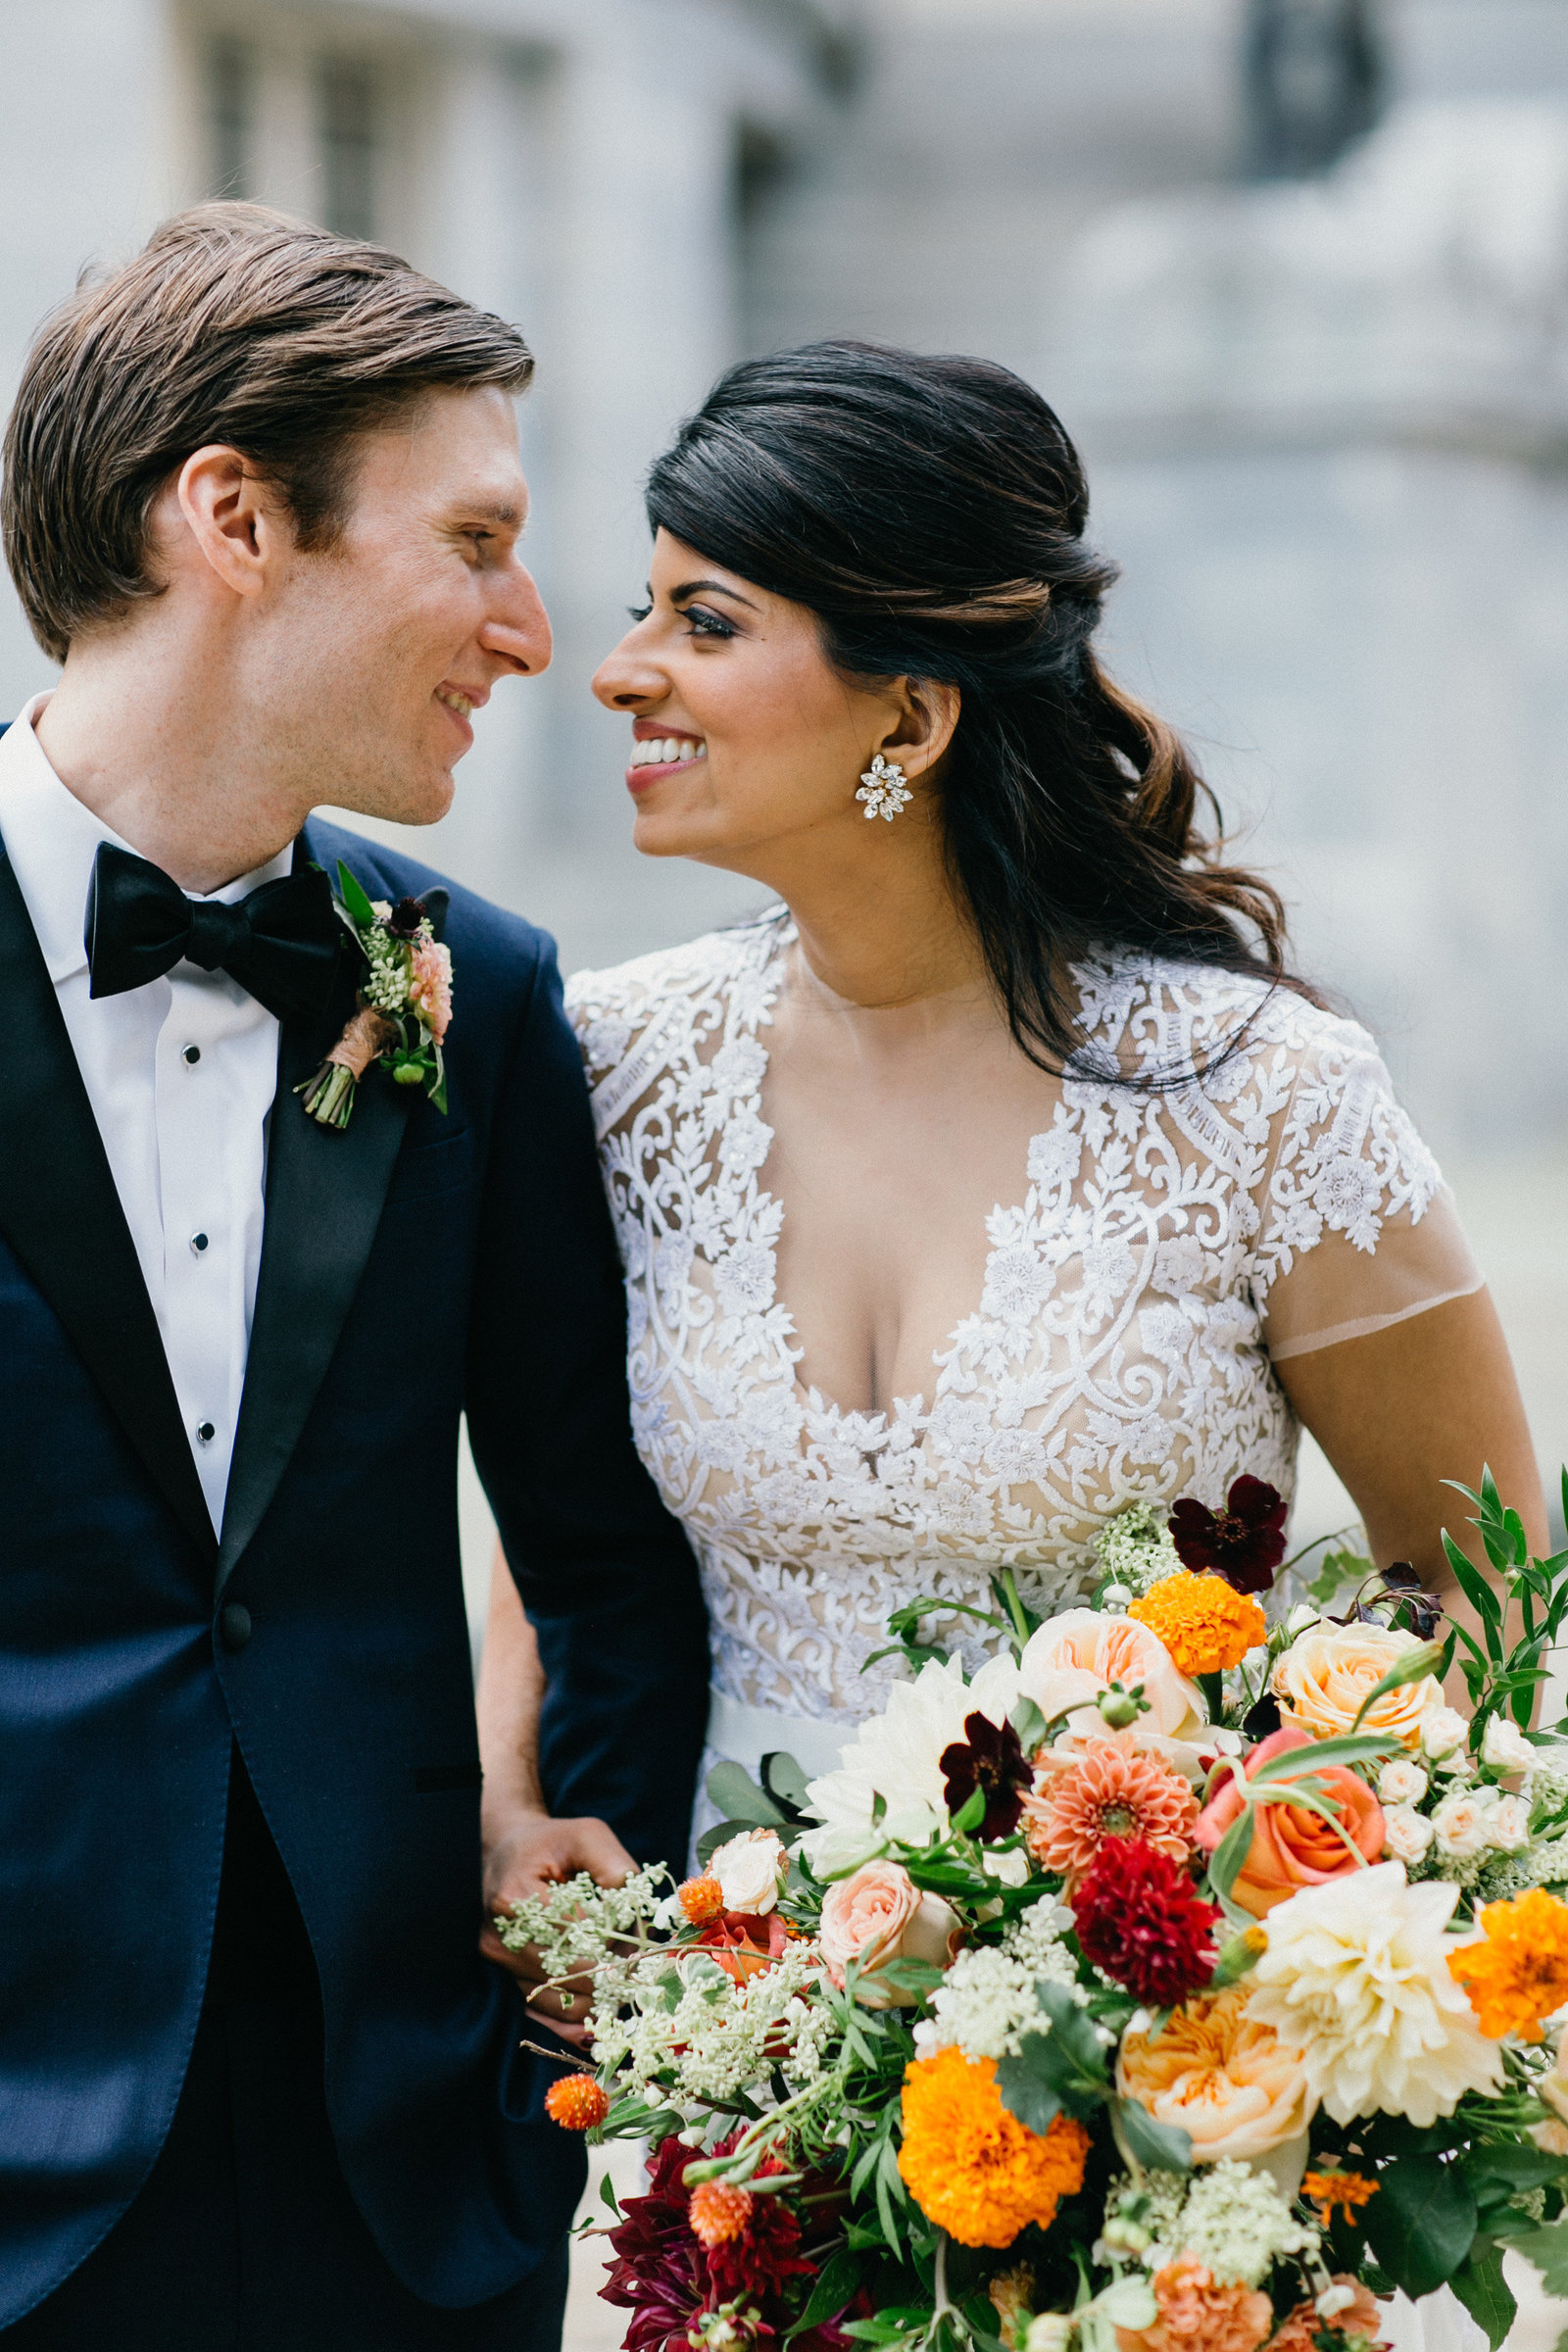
[1356, 1976]
[897, 1755]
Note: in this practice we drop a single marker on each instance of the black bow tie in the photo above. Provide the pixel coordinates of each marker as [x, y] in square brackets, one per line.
[280, 943]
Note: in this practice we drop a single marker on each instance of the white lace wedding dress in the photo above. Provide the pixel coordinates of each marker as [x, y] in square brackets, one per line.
[1164, 1252]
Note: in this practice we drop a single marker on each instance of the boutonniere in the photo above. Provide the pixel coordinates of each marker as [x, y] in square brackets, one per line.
[404, 1005]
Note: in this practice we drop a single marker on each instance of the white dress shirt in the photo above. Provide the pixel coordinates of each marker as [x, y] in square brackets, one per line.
[180, 1075]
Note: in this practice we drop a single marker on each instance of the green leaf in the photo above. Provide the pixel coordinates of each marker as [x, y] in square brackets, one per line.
[1165, 2147]
[1231, 1852]
[1067, 2064]
[783, 1779]
[971, 1813]
[1337, 1568]
[1547, 2250]
[733, 1789]
[836, 2283]
[1484, 2291]
[1025, 2090]
[1409, 1669]
[1422, 2223]
[607, 2195]
[1351, 1749]
[1519, 2166]
[1029, 1723]
[1475, 1589]
[354, 898]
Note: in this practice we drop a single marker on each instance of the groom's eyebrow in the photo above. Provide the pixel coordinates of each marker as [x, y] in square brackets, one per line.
[678, 596]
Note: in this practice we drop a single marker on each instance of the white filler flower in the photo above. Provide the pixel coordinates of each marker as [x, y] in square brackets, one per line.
[1356, 1976]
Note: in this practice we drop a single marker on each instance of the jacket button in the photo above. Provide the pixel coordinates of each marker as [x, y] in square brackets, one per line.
[234, 1624]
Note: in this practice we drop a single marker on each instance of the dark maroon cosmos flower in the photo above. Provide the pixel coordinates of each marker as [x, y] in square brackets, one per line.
[1245, 1543]
[1138, 1919]
[991, 1758]
[406, 917]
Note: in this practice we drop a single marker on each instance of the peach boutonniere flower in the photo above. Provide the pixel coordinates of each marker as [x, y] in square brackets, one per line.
[404, 1008]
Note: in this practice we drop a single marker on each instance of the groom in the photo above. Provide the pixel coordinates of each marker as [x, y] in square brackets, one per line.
[257, 2086]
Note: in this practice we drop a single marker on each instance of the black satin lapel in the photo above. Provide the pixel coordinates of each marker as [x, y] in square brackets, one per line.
[61, 1213]
[326, 1187]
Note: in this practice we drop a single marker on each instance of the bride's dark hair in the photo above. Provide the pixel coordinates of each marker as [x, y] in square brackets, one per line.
[931, 514]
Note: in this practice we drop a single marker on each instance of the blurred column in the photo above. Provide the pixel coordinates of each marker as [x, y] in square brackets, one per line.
[1315, 78]
[88, 164]
[483, 238]
[640, 319]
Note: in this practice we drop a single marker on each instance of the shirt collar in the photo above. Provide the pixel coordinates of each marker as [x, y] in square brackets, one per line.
[52, 838]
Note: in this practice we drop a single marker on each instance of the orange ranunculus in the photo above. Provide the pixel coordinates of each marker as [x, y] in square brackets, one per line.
[1291, 1846]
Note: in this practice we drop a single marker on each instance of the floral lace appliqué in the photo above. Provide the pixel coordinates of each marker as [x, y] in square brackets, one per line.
[1115, 1353]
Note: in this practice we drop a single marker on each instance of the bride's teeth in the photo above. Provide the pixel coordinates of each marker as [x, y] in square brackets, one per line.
[666, 751]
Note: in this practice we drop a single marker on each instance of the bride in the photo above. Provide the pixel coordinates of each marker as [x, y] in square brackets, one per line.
[1004, 1173]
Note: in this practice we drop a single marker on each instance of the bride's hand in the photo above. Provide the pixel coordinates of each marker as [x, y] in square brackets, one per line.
[531, 1851]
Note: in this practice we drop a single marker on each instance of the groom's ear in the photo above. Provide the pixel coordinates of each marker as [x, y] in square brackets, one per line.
[221, 513]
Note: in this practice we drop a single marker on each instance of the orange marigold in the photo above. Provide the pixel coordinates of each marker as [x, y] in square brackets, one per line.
[1203, 1622]
[718, 2211]
[972, 2168]
[702, 1900]
[1325, 2190]
[1519, 1975]
[577, 2103]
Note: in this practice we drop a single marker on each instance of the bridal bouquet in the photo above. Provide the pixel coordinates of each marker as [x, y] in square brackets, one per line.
[1178, 1984]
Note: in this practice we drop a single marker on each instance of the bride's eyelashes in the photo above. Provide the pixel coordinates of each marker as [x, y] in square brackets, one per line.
[639, 613]
[708, 624]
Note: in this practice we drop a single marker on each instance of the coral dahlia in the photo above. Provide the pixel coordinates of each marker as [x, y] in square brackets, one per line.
[1198, 2314]
[1138, 1919]
[1113, 1790]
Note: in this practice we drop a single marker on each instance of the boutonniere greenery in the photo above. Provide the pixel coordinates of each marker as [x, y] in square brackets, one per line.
[404, 1006]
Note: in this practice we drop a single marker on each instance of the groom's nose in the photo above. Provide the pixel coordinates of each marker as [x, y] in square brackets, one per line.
[518, 626]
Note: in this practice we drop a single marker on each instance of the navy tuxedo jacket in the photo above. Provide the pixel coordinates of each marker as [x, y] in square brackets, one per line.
[415, 1266]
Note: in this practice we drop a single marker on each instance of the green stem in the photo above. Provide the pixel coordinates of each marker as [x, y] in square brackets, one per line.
[1212, 1685]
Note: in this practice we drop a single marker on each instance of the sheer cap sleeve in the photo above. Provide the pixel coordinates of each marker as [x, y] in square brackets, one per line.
[1356, 1230]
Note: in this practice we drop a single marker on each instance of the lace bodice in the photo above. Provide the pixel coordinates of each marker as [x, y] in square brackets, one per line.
[1164, 1249]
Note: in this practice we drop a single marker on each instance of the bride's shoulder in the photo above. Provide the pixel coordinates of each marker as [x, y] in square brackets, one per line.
[1166, 1013]
[612, 1009]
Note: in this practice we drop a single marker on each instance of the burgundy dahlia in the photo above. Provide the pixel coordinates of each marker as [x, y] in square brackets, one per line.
[660, 2273]
[989, 1756]
[1138, 1919]
[1245, 1543]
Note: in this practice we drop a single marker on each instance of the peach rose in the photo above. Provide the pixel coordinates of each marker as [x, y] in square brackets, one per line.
[1321, 1680]
[878, 1914]
[1075, 1657]
[1291, 1846]
[1229, 2082]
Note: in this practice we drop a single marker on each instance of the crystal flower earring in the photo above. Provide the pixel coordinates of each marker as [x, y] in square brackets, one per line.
[883, 789]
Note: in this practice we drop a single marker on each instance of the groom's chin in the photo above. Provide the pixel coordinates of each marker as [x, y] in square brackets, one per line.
[403, 800]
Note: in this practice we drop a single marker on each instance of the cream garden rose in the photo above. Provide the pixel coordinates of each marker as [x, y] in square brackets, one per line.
[749, 1870]
[1355, 1976]
[1401, 1783]
[1321, 1680]
[1461, 1822]
[1218, 2075]
[880, 1915]
[1504, 1746]
[1406, 1833]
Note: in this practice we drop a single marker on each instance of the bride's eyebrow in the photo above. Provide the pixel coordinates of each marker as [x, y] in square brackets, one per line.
[678, 596]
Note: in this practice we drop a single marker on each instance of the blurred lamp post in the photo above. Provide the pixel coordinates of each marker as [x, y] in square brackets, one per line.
[1314, 71]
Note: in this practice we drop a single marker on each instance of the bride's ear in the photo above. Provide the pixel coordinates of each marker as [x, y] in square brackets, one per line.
[922, 728]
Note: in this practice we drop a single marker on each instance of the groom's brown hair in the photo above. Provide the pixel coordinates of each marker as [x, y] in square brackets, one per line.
[234, 325]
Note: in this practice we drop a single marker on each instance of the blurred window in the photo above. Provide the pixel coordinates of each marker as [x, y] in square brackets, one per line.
[231, 114]
[349, 131]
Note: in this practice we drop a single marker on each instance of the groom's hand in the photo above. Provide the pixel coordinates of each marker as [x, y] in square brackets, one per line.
[525, 1855]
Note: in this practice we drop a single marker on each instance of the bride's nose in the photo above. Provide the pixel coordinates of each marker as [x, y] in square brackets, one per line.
[626, 680]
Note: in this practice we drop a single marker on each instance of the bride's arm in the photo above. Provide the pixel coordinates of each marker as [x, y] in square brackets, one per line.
[1400, 1410]
[525, 1848]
